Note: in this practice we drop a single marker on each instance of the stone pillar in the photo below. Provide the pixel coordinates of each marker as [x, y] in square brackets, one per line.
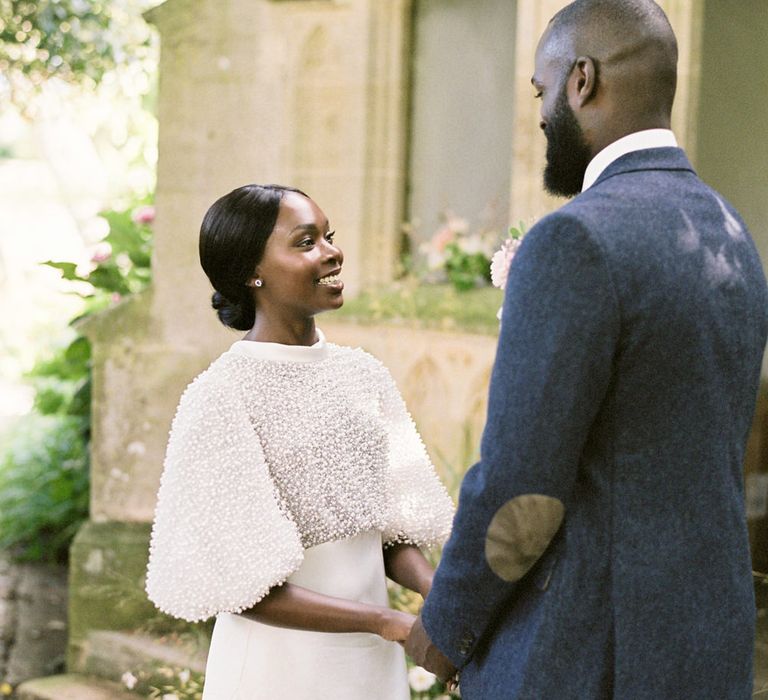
[344, 113]
[528, 199]
[686, 17]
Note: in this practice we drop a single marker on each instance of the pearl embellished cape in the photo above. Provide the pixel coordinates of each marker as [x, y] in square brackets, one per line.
[275, 449]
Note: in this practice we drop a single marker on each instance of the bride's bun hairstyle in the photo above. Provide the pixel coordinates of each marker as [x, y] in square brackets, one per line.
[233, 237]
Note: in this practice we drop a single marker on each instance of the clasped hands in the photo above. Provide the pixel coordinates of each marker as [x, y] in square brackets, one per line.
[424, 653]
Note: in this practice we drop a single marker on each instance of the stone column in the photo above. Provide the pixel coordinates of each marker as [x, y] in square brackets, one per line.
[344, 108]
[686, 18]
[528, 199]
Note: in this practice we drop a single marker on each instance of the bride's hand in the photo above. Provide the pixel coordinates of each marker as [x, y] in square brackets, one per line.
[395, 625]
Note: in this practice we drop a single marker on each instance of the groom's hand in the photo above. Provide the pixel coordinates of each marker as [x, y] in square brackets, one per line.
[425, 654]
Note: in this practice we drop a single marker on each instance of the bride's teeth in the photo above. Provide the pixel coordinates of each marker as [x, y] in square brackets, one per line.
[329, 280]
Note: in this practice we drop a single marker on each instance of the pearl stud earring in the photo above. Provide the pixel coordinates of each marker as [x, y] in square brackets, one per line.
[256, 283]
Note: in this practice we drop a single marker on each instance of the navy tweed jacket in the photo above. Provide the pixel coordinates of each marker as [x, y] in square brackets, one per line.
[634, 323]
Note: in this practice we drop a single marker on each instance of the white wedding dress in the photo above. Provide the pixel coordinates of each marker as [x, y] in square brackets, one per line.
[291, 463]
[252, 661]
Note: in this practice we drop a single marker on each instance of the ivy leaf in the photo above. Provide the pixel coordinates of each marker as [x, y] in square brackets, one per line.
[78, 353]
[68, 270]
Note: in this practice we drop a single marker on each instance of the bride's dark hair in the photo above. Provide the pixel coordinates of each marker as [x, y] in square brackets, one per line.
[233, 236]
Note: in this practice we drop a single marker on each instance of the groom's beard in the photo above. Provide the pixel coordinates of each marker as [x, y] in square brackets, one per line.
[568, 153]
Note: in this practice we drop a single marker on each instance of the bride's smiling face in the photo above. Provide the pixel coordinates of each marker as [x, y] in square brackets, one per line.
[301, 263]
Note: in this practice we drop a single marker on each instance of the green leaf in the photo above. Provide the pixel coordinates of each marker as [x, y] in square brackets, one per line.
[140, 258]
[80, 404]
[48, 401]
[68, 269]
[78, 352]
[108, 278]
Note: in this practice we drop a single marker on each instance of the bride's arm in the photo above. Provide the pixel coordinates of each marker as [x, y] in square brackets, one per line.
[405, 564]
[300, 608]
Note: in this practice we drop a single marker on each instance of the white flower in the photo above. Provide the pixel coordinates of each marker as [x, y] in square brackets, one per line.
[129, 680]
[170, 696]
[471, 244]
[456, 223]
[184, 676]
[420, 679]
[501, 261]
[435, 259]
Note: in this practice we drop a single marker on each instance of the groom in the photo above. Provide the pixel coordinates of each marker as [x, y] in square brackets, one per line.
[600, 546]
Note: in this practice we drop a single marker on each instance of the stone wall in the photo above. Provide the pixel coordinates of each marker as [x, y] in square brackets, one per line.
[33, 620]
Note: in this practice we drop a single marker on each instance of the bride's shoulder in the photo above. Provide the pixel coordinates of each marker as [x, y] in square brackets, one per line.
[217, 381]
[357, 359]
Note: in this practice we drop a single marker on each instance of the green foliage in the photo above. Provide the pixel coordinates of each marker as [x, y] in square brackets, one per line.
[121, 266]
[78, 41]
[459, 256]
[57, 37]
[466, 270]
[44, 473]
[44, 487]
[183, 685]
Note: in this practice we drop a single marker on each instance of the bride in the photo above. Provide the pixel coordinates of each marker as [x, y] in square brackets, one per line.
[294, 479]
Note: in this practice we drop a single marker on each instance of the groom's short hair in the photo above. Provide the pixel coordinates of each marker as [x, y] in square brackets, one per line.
[635, 34]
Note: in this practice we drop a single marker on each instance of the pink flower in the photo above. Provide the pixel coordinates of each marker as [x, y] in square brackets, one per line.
[501, 261]
[144, 214]
[442, 238]
[103, 252]
[116, 297]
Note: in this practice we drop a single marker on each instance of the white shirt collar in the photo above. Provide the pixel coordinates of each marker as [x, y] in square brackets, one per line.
[282, 353]
[649, 138]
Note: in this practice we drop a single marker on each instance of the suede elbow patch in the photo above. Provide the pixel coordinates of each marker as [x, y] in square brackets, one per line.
[519, 533]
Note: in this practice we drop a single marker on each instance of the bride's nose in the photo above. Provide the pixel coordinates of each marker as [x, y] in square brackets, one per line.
[333, 252]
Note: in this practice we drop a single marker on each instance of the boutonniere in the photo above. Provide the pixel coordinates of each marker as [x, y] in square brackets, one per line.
[502, 258]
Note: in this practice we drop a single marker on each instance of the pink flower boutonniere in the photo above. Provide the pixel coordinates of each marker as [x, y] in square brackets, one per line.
[502, 258]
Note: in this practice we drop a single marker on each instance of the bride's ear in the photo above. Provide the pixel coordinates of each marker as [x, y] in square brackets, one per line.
[582, 82]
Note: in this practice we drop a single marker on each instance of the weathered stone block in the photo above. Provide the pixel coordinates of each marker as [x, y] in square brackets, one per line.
[106, 582]
[111, 654]
[37, 630]
[71, 687]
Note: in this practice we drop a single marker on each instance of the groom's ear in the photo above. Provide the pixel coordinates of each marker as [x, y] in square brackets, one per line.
[582, 82]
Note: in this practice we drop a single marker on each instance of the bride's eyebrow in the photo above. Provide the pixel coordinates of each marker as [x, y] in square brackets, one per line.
[308, 227]
[303, 227]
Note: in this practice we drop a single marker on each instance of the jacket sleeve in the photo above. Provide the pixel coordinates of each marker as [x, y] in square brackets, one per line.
[220, 539]
[419, 510]
[559, 331]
